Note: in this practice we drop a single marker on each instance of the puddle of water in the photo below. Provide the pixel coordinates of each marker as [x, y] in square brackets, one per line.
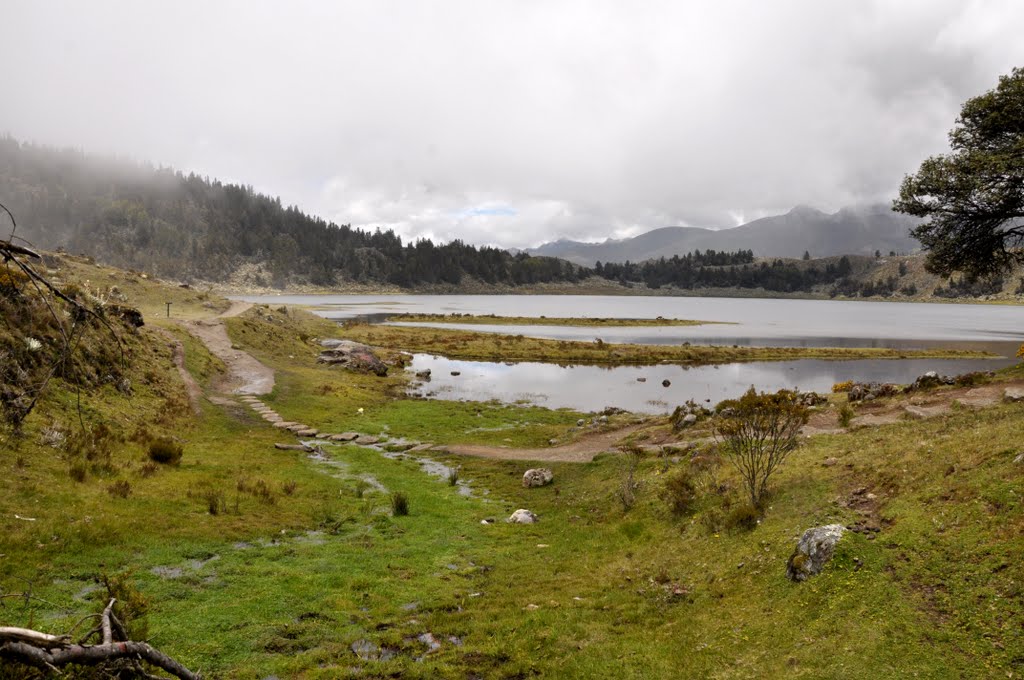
[593, 388]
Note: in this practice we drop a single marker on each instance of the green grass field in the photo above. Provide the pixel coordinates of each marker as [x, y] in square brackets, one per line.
[259, 562]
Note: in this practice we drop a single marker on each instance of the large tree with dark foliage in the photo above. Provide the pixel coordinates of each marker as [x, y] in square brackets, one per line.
[973, 198]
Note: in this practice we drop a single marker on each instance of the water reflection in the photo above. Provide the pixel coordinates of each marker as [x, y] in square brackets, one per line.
[759, 322]
[592, 388]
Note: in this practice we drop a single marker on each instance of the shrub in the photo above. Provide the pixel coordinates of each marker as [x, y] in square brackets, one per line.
[215, 503]
[261, 490]
[130, 607]
[757, 432]
[844, 386]
[165, 451]
[627, 488]
[680, 492]
[289, 487]
[399, 504]
[743, 517]
[78, 471]
[845, 415]
[120, 489]
[148, 469]
[360, 487]
[453, 476]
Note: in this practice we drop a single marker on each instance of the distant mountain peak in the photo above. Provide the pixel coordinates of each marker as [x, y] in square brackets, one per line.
[851, 231]
[803, 210]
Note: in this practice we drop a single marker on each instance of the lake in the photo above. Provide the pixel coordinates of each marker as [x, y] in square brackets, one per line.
[743, 321]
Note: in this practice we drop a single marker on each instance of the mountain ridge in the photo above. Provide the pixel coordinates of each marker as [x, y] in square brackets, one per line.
[852, 230]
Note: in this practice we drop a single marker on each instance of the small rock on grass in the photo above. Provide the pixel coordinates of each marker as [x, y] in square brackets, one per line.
[813, 551]
[366, 439]
[522, 516]
[537, 477]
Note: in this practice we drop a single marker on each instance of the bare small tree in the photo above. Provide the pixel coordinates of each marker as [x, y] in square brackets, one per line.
[757, 432]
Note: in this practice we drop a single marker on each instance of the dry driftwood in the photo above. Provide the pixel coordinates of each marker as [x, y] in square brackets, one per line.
[42, 650]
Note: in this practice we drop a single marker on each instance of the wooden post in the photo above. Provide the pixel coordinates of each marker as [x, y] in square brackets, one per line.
[168, 310]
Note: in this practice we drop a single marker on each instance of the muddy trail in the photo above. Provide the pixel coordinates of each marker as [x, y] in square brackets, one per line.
[245, 374]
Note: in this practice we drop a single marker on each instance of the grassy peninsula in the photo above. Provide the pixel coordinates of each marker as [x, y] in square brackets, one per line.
[478, 346]
[494, 320]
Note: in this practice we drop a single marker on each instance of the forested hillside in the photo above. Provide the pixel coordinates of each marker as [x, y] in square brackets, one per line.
[186, 226]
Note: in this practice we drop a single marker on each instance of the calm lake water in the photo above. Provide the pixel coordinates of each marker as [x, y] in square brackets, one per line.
[744, 321]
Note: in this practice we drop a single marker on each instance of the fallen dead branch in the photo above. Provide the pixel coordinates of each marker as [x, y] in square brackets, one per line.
[50, 652]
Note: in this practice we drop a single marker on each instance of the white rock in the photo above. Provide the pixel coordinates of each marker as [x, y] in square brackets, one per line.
[537, 477]
[522, 516]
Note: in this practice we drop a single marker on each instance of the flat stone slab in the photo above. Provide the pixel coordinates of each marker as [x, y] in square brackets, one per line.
[310, 432]
[922, 412]
[296, 427]
[285, 424]
[421, 447]
[293, 447]
[1014, 394]
[366, 439]
[344, 437]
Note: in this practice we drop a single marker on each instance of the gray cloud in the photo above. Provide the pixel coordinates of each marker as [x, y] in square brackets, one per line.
[513, 122]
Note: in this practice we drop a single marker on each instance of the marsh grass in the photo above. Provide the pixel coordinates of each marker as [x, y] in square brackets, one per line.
[470, 345]
[493, 320]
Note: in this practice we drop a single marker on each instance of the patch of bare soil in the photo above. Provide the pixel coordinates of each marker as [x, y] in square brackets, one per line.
[582, 450]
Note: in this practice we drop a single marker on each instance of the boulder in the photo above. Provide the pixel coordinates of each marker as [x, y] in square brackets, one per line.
[870, 391]
[537, 477]
[813, 551]
[522, 516]
[811, 399]
[1014, 394]
[354, 356]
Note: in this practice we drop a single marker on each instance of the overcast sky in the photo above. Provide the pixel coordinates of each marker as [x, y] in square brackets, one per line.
[516, 122]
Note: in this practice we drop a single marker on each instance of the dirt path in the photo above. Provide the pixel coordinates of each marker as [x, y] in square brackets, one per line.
[192, 389]
[245, 375]
[582, 450]
[237, 307]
